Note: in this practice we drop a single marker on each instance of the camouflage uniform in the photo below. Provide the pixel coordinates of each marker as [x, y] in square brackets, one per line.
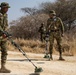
[3, 27]
[56, 29]
[42, 32]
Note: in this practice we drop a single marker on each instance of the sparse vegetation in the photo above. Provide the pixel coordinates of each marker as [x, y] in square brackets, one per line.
[26, 28]
[35, 46]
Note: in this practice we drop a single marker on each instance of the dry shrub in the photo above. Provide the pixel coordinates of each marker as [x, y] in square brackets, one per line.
[35, 46]
[10, 47]
[71, 43]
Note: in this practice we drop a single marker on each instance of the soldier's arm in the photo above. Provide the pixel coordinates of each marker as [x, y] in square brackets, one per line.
[39, 30]
[0, 25]
[1, 29]
[1, 22]
[61, 26]
[48, 24]
[6, 27]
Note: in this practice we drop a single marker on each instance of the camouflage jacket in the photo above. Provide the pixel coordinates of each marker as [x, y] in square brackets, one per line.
[55, 24]
[41, 30]
[3, 21]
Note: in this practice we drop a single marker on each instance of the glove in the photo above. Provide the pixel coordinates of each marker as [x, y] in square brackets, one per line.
[4, 36]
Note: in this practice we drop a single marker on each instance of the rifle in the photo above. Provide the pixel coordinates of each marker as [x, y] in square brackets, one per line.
[20, 49]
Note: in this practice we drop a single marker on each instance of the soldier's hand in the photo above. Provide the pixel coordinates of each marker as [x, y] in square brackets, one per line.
[4, 36]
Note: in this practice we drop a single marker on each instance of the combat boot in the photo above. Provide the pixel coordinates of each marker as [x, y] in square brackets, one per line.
[3, 69]
[60, 58]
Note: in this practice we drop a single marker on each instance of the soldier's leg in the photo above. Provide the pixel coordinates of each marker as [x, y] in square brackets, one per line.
[41, 37]
[59, 41]
[3, 58]
[51, 46]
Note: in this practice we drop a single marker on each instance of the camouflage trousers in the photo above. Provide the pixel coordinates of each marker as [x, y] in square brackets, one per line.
[57, 36]
[3, 50]
[42, 37]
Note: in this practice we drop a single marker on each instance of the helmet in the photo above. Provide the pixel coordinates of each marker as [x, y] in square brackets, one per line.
[52, 12]
[4, 4]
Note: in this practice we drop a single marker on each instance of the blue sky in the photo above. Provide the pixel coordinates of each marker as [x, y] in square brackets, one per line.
[15, 12]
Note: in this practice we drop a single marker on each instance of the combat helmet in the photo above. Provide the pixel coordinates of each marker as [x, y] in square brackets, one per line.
[4, 4]
[52, 12]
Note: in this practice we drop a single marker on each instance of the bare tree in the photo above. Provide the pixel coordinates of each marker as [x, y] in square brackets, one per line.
[27, 26]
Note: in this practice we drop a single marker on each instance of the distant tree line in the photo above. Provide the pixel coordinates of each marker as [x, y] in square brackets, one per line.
[27, 26]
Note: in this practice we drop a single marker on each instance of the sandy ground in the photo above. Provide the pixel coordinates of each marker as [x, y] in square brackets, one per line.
[19, 65]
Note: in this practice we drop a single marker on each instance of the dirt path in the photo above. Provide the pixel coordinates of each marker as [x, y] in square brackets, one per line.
[19, 65]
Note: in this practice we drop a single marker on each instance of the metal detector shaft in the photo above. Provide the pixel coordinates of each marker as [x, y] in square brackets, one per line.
[46, 47]
[47, 41]
[20, 49]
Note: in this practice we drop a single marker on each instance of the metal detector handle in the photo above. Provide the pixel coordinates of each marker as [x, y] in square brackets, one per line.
[6, 33]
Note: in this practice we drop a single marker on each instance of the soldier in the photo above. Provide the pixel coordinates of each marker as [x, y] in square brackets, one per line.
[3, 26]
[42, 32]
[56, 29]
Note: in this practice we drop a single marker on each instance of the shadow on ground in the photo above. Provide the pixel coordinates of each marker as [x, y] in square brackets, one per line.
[34, 74]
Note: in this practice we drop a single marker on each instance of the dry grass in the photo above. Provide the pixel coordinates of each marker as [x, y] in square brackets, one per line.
[35, 46]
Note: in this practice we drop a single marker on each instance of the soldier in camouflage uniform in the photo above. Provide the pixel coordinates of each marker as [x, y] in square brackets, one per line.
[3, 39]
[42, 32]
[56, 29]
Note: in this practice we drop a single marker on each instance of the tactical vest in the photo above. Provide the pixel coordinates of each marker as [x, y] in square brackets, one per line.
[54, 24]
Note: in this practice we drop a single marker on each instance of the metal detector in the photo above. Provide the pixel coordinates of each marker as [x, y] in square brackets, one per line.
[20, 49]
[47, 44]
